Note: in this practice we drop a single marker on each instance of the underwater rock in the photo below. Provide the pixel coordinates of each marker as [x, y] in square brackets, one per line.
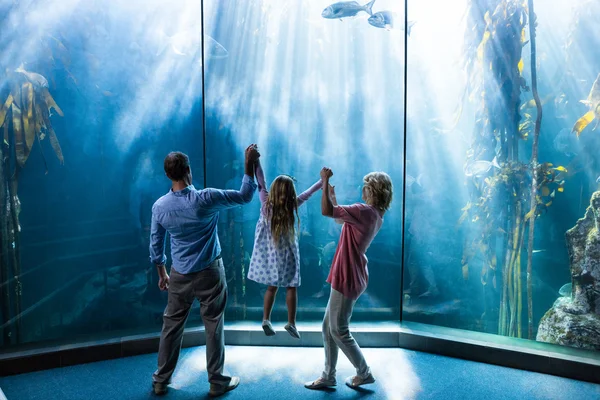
[575, 320]
[560, 326]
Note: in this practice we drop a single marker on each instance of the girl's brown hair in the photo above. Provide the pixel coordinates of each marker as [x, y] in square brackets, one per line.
[283, 204]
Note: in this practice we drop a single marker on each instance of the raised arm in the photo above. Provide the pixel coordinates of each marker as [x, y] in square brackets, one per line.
[262, 187]
[251, 157]
[326, 204]
[222, 199]
[332, 195]
[309, 192]
[334, 202]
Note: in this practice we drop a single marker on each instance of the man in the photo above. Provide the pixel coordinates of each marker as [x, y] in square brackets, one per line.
[191, 216]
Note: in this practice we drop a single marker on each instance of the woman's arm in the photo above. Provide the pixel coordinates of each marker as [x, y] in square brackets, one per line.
[332, 195]
[334, 202]
[326, 204]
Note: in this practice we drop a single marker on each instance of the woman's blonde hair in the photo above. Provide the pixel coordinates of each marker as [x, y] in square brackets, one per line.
[378, 190]
[283, 203]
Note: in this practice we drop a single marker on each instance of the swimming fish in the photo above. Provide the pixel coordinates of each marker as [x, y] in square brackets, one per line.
[560, 106]
[385, 20]
[531, 105]
[345, 9]
[445, 307]
[593, 102]
[189, 43]
[411, 179]
[410, 25]
[566, 290]
[481, 167]
[37, 79]
[564, 142]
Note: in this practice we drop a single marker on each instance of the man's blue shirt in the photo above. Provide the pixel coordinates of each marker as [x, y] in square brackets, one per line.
[191, 216]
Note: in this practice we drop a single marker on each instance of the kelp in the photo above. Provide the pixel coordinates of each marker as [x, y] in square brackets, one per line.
[26, 115]
[5, 245]
[28, 121]
[25, 118]
[536, 176]
[493, 43]
[500, 210]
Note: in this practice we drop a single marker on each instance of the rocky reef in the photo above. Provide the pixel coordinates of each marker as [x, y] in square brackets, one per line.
[574, 319]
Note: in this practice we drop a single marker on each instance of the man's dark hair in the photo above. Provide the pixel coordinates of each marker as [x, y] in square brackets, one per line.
[176, 165]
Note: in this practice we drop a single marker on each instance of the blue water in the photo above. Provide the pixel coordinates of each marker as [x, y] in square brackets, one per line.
[311, 92]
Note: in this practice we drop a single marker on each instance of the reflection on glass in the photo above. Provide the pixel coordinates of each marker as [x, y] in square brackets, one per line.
[311, 91]
[496, 174]
[93, 95]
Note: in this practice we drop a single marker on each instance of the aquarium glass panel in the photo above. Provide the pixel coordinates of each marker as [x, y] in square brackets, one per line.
[311, 90]
[94, 94]
[502, 170]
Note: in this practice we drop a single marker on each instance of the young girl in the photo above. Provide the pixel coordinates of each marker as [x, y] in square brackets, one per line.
[349, 275]
[276, 260]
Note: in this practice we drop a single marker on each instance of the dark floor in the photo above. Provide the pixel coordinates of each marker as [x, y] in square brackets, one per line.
[279, 372]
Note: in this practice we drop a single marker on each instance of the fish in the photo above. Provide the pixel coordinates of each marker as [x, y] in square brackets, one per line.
[531, 105]
[188, 43]
[346, 9]
[593, 102]
[370, 301]
[329, 249]
[538, 251]
[564, 142]
[539, 285]
[410, 180]
[481, 167]
[447, 307]
[143, 188]
[560, 106]
[92, 61]
[214, 49]
[598, 179]
[385, 20]
[566, 290]
[35, 78]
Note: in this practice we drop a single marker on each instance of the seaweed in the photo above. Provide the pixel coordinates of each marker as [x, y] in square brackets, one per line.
[534, 164]
[24, 119]
[506, 200]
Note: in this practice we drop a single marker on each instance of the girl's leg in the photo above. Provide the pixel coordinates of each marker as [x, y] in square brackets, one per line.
[340, 309]
[291, 300]
[292, 304]
[268, 303]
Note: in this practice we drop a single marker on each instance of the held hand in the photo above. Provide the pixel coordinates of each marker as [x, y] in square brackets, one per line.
[326, 173]
[163, 282]
[252, 153]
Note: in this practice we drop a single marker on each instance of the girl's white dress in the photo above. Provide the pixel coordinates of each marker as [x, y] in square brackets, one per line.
[272, 265]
